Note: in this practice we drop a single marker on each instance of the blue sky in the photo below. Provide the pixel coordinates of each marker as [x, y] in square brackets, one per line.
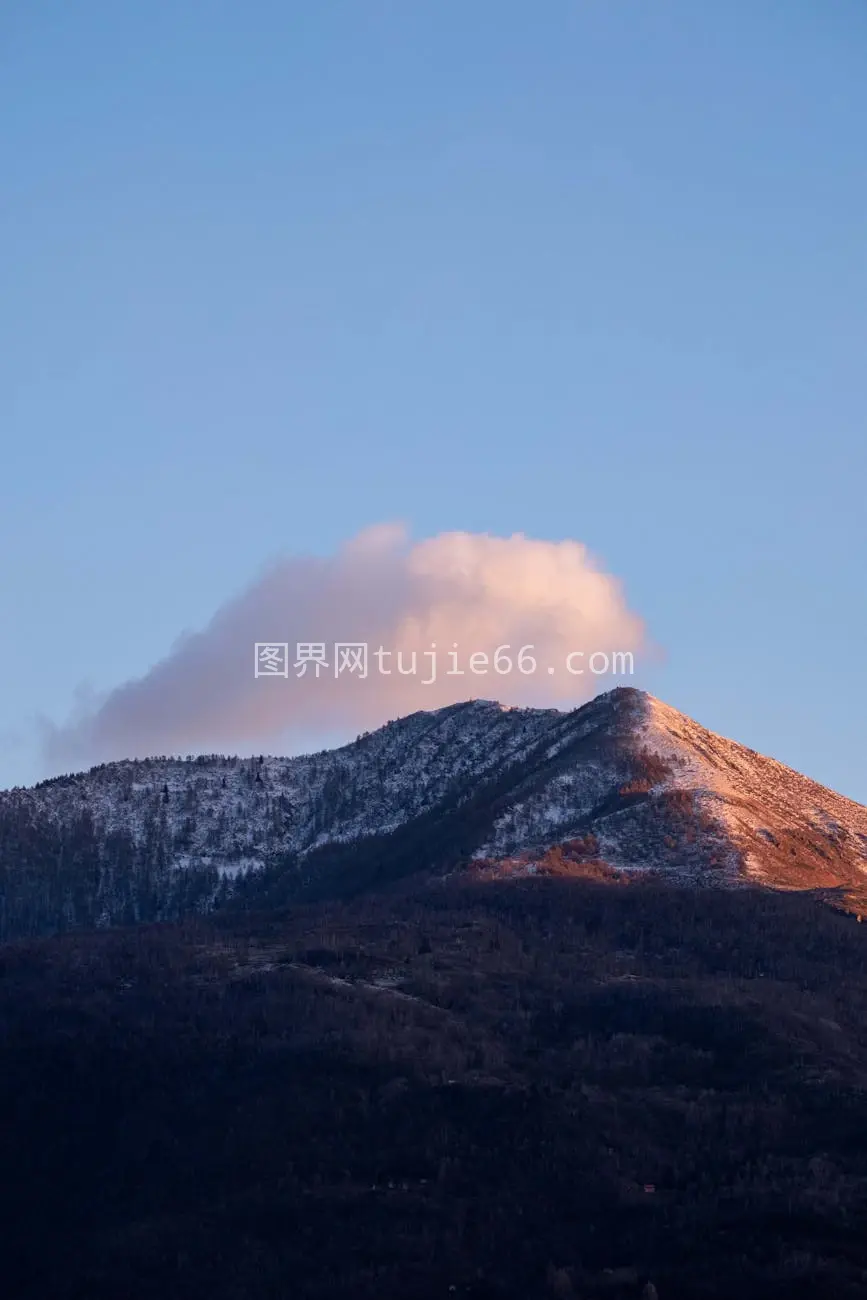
[275, 272]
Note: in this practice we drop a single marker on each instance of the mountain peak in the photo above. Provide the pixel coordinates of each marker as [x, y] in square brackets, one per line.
[477, 785]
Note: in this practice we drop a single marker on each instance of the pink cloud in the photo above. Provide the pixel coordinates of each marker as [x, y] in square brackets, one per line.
[468, 590]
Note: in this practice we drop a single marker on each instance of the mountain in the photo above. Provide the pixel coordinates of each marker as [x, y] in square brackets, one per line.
[625, 780]
[445, 1015]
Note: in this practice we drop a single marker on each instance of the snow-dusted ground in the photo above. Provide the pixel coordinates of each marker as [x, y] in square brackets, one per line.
[710, 811]
[756, 800]
[237, 814]
[756, 819]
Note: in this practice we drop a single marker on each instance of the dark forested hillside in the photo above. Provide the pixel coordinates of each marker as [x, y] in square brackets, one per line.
[537, 1088]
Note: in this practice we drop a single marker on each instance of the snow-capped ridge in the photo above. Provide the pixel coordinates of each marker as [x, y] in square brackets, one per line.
[652, 789]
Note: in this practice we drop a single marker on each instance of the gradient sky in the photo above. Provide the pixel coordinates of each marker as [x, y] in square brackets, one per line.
[274, 272]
